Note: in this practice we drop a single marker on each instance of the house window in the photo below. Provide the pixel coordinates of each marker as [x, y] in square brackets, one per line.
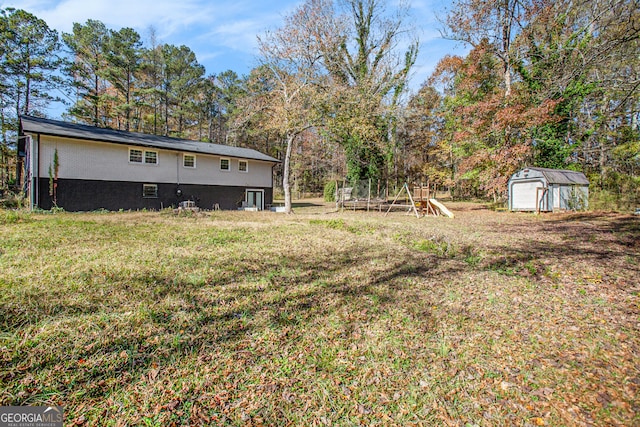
[150, 191]
[135, 156]
[225, 164]
[151, 157]
[243, 166]
[189, 161]
[140, 156]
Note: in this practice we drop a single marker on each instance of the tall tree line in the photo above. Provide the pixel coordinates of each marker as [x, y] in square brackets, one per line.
[29, 59]
[107, 78]
[159, 89]
[545, 83]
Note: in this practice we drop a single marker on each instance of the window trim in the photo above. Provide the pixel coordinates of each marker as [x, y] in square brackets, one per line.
[143, 160]
[255, 190]
[157, 157]
[154, 186]
[246, 162]
[184, 157]
[228, 169]
[141, 156]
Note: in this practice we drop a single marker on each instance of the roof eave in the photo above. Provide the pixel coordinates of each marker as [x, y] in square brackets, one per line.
[135, 141]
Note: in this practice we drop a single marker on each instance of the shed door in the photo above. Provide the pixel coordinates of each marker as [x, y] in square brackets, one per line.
[556, 197]
[523, 195]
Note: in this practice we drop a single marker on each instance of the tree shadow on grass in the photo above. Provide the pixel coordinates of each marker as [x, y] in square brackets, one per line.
[305, 205]
[606, 242]
[173, 319]
[153, 320]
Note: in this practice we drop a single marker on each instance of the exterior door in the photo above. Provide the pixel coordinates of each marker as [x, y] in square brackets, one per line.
[524, 195]
[255, 199]
[556, 197]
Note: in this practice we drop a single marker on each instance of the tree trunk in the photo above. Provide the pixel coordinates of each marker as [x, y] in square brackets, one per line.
[27, 93]
[128, 99]
[285, 175]
[96, 113]
[507, 79]
[166, 113]
[507, 22]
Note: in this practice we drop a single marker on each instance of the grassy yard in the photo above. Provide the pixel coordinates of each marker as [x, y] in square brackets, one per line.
[322, 318]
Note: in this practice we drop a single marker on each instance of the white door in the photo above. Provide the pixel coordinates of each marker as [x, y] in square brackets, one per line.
[523, 195]
[556, 197]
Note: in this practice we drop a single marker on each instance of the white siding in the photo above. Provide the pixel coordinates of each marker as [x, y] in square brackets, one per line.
[110, 162]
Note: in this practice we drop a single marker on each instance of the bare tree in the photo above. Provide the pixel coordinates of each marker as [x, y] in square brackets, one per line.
[291, 71]
[497, 23]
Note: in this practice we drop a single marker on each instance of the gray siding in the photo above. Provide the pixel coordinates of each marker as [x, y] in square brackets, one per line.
[110, 162]
[575, 197]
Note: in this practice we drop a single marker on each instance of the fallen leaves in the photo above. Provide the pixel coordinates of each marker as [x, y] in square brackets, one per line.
[538, 421]
[302, 323]
[545, 392]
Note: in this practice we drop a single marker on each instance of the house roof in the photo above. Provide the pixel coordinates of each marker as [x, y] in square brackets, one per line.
[77, 131]
[559, 176]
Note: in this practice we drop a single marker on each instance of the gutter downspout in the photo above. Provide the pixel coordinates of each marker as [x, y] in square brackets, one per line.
[30, 173]
[178, 169]
[37, 194]
[34, 170]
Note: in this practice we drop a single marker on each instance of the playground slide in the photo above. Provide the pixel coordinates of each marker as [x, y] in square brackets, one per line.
[442, 208]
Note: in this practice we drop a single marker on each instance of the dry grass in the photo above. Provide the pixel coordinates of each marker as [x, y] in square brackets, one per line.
[322, 318]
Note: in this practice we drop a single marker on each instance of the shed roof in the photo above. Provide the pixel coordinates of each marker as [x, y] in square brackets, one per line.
[559, 176]
[73, 130]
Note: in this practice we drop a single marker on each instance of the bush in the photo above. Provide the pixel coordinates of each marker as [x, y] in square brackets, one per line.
[614, 192]
[278, 193]
[12, 201]
[330, 191]
[14, 216]
[605, 200]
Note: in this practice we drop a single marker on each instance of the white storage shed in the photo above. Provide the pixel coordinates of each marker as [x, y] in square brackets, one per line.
[548, 190]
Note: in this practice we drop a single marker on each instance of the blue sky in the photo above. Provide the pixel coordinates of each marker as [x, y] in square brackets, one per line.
[222, 33]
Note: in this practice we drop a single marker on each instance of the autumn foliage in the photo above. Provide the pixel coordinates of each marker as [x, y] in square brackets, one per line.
[542, 86]
[544, 83]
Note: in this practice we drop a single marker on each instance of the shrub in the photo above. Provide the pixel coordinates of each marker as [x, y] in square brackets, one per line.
[330, 191]
[278, 193]
[606, 200]
[14, 216]
[614, 192]
[12, 201]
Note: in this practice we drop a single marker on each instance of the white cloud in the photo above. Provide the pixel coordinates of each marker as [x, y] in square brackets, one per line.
[242, 34]
[213, 29]
[222, 33]
[169, 17]
[238, 35]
